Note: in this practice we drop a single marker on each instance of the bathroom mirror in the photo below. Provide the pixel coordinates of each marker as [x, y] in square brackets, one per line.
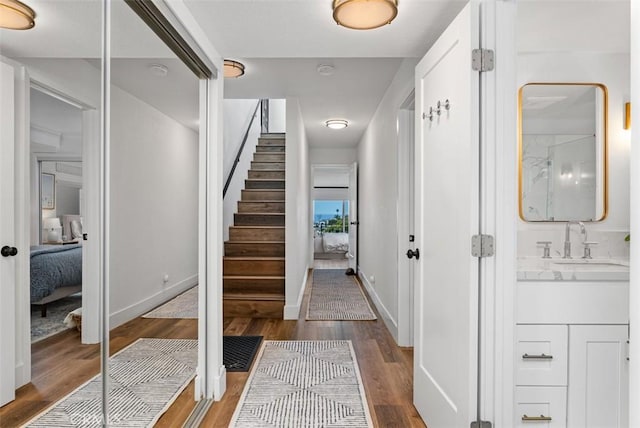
[562, 152]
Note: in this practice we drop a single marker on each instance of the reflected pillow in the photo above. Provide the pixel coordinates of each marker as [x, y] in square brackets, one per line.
[76, 229]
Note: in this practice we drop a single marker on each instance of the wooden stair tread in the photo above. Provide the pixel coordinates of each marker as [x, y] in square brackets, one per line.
[254, 258]
[253, 296]
[258, 227]
[254, 242]
[252, 277]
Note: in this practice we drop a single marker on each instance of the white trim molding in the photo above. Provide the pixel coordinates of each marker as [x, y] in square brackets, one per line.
[389, 321]
[292, 312]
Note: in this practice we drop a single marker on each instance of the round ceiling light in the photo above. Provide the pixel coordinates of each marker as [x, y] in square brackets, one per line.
[364, 14]
[336, 123]
[233, 68]
[325, 69]
[16, 15]
[158, 70]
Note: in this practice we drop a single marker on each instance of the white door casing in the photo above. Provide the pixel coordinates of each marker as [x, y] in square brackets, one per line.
[352, 255]
[7, 235]
[447, 215]
[406, 211]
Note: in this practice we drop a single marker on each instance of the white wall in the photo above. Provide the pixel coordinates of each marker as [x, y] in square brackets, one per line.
[277, 116]
[297, 217]
[237, 115]
[377, 196]
[612, 70]
[332, 156]
[154, 207]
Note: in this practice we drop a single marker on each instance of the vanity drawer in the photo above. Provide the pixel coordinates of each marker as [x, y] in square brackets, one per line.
[541, 355]
[539, 406]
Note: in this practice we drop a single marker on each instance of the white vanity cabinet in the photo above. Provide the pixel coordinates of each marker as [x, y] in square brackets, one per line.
[571, 354]
[598, 376]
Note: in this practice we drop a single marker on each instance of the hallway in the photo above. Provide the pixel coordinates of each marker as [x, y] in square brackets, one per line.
[386, 369]
[60, 366]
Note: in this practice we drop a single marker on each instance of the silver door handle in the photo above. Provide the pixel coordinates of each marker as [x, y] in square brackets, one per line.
[537, 357]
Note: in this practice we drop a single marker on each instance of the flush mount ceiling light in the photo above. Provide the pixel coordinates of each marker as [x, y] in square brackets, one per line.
[233, 68]
[336, 123]
[15, 15]
[364, 14]
[325, 69]
[158, 69]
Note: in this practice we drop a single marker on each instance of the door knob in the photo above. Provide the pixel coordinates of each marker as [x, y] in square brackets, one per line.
[411, 254]
[7, 251]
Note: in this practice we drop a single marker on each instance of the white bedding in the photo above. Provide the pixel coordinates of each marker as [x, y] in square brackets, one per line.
[335, 242]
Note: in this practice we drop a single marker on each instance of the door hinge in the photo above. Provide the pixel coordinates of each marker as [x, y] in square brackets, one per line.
[482, 246]
[482, 60]
[481, 424]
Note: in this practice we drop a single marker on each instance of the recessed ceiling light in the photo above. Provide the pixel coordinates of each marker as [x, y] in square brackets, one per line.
[325, 69]
[364, 14]
[233, 68]
[336, 123]
[16, 15]
[157, 69]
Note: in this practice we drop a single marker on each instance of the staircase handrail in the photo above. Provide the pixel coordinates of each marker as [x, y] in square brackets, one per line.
[237, 160]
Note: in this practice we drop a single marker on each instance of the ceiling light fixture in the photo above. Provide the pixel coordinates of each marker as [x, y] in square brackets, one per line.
[233, 68]
[364, 14]
[336, 123]
[158, 69]
[325, 69]
[16, 15]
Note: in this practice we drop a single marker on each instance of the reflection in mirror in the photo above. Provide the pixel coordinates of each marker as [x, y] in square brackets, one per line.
[56, 94]
[563, 146]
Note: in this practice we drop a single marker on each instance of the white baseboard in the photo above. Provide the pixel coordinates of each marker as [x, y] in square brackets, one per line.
[392, 324]
[140, 308]
[292, 312]
[220, 383]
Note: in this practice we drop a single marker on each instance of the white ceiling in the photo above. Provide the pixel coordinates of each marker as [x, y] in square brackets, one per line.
[283, 41]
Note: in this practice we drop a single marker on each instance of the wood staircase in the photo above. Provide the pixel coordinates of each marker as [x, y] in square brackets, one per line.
[253, 265]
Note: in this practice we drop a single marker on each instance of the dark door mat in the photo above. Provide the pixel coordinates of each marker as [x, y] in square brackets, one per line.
[238, 352]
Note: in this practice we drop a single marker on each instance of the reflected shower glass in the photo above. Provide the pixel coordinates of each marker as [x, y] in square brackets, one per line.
[563, 152]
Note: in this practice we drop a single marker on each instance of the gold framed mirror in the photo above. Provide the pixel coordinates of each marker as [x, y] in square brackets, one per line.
[562, 152]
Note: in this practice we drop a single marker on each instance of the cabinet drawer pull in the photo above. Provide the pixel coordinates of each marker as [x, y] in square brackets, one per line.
[537, 357]
[526, 418]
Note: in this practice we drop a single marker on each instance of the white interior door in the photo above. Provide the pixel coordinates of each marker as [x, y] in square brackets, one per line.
[7, 235]
[353, 217]
[447, 215]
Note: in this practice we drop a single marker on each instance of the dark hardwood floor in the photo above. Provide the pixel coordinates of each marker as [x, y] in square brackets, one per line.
[60, 365]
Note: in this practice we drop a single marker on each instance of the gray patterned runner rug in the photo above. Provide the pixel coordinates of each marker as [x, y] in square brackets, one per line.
[304, 384]
[144, 379]
[184, 305]
[337, 297]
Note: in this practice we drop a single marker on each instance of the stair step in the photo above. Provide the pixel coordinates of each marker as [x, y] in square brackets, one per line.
[272, 148]
[254, 248]
[267, 173]
[253, 284]
[261, 207]
[276, 140]
[267, 165]
[252, 308]
[258, 219]
[263, 195]
[256, 233]
[263, 183]
[260, 266]
[269, 157]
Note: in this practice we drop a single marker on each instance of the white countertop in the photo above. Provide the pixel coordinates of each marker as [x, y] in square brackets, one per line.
[558, 269]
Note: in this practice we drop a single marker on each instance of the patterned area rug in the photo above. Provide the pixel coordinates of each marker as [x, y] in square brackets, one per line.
[304, 384]
[41, 328]
[337, 297]
[144, 379]
[184, 305]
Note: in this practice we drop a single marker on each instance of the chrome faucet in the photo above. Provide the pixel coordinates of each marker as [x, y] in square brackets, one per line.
[567, 237]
